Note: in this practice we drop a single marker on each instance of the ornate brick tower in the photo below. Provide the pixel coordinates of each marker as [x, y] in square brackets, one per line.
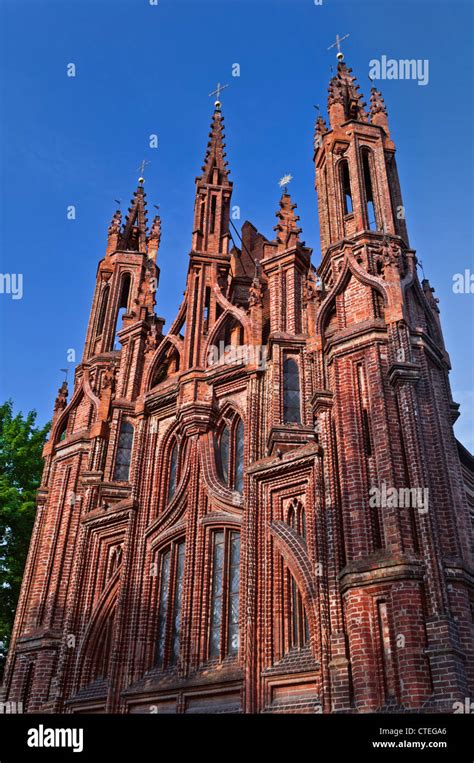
[262, 510]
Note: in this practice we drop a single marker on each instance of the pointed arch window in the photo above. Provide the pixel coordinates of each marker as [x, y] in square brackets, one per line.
[230, 454]
[63, 431]
[345, 186]
[225, 588]
[224, 454]
[295, 620]
[291, 392]
[370, 210]
[124, 452]
[170, 594]
[104, 301]
[122, 306]
[297, 517]
[239, 457]
[173, 472]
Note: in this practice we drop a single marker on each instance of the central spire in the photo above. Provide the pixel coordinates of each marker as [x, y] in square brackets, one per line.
[344, 100]
[214, 169]
[134, 235]
[213, 192]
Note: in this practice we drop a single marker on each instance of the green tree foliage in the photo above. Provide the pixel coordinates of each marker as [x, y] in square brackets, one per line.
[21, 465]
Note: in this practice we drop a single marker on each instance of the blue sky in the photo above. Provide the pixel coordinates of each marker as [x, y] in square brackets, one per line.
[146, 69]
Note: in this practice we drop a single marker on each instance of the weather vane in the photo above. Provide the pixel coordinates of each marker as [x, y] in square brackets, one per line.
[65, 371]
[283, 182]
[337, 44]
[217, 92]
[141, 170]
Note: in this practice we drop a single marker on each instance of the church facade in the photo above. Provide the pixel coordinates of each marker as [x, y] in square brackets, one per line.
[263, 508]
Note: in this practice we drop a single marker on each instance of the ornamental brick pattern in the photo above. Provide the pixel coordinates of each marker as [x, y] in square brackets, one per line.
[342, 603]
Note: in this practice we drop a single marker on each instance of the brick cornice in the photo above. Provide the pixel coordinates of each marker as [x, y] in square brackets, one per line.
[374, 571]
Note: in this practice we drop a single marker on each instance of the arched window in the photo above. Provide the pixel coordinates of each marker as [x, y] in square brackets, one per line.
[124, 452]
[291, 392]
[122, 306]
[369, 193]
[170, 593]
[230, 454]
[103, 309]
[225, 585]
[223, 453]
[173, 472]
[345, 186]
[228, 345]
[63, 431]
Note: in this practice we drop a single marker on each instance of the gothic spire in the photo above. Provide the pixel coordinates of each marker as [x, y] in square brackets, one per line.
[344, 100]
[134, 233]
[213, 193]
[214, 169]
[287, 227]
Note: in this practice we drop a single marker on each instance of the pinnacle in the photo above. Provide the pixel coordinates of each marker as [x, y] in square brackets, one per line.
[155, 230]
[115, 223]
[287, 227]
[377, 103]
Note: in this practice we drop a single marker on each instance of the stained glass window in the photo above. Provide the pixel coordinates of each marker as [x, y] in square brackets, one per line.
[124, 452]
[230, 455]
[224, 631]
[224, 452]
[178, 597]
[173, 472]
[163, 606]
[217, 593]
[234, 585]
[170, 604]
[291, 392]
[239, 457]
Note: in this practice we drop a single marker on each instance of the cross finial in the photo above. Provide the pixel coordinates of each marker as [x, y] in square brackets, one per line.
[217, 92]
[283, 182]
[141, 170]
[337, 44]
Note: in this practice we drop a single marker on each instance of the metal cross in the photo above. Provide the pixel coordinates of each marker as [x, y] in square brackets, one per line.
[338, 43]
[218, 90]
[141, 168]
